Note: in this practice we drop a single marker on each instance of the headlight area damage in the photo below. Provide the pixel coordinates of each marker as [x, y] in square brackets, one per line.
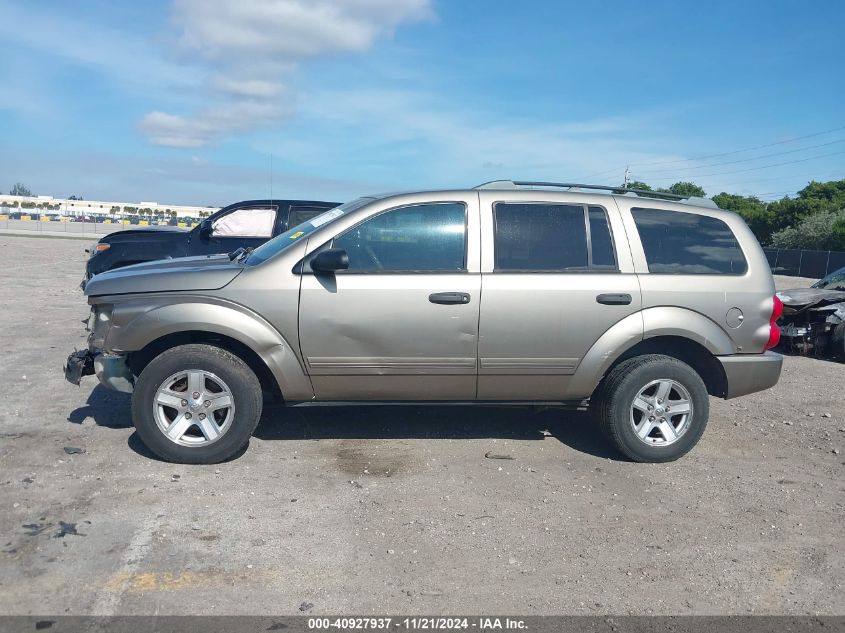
[79, 364]
[813, 321]
[111, 369]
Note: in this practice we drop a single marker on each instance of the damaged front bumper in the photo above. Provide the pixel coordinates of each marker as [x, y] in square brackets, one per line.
[79, 364]
[813, 321]
[111, 369]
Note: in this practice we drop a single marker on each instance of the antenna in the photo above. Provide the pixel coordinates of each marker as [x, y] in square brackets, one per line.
[627, 173]
[271, 179]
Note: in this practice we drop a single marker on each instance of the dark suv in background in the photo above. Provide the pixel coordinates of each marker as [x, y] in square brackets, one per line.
[244, 224]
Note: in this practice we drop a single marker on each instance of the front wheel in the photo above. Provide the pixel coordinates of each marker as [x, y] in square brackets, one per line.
[653, 408]
[196, 404]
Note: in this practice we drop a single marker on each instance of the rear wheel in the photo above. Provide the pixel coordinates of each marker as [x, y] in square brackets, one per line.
[653, 408]
[196, 404]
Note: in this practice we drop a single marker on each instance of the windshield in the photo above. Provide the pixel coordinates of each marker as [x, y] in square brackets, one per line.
[834, 281]
[290, 237]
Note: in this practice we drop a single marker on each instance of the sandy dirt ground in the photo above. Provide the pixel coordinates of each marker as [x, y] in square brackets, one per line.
[397, 510]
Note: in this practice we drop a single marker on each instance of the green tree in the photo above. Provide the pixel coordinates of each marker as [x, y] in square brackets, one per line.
[638, 184]
[788, 212]
[832, 192]
[20, 189]
[754, 211]
[838, 233]
[824, 231]
[686, 189]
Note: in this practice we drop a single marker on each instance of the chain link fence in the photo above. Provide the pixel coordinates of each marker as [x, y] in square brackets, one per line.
[41, 221]
[804, 263]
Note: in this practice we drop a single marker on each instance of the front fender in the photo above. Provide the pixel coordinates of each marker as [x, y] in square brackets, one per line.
[648, 323]
[139, 322]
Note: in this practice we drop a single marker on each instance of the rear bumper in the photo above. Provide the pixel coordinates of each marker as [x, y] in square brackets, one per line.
[747, 373]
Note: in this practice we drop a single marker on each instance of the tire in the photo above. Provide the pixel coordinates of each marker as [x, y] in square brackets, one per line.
[204, 430]
[621, 403]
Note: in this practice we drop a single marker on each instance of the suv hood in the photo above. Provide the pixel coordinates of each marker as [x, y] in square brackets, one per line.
[204, 272]
[799, 299]
[166, 232]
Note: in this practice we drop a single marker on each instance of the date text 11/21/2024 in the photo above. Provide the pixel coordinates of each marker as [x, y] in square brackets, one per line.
[417, 623]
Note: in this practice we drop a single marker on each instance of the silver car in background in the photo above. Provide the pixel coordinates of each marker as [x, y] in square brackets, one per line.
[637, 304]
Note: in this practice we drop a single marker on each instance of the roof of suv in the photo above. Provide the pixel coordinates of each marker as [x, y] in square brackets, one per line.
[512, 185]
[504, 185]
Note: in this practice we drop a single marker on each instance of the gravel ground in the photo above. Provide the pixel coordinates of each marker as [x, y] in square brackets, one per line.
[397, 510]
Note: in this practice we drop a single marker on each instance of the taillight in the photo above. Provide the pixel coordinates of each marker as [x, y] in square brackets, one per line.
[774, 330]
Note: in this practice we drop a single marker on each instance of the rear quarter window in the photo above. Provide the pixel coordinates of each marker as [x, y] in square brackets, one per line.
[679, 243]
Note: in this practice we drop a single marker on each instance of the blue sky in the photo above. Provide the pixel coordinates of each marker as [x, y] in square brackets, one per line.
[184, 101]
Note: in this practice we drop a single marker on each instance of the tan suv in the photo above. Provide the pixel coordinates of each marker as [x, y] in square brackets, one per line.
[511, 292]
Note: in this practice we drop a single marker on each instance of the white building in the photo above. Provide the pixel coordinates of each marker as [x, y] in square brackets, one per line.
[49, 204]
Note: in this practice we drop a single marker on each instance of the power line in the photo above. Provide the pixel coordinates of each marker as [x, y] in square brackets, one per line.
[745, 160]
[708, 156]
[742, 171]
[747, 149]
[816, 174]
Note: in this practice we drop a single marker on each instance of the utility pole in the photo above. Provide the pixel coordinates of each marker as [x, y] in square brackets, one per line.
[627, 174]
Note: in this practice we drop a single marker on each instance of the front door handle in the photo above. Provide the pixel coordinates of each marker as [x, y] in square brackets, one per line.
[613, 299]
[446, 298]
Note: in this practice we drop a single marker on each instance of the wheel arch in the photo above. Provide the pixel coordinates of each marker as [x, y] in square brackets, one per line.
[144, 329]
[687, 351]
[138, 360]
[680, 333]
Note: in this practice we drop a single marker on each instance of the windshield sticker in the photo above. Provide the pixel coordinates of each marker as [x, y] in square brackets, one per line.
[297, 234]
[321, 219]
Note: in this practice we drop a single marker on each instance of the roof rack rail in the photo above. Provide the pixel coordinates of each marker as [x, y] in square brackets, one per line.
[515, 184]
[643, 193]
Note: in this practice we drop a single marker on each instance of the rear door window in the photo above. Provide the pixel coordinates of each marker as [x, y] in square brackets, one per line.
[679, 243]
[602, 252]
[300, 214]
[549, 237]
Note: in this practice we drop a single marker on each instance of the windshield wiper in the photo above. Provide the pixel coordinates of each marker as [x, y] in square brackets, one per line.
[236, 253]
[244, 253]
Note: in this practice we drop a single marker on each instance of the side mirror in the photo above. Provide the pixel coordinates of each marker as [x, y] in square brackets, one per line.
[330, 260]
[205, 229]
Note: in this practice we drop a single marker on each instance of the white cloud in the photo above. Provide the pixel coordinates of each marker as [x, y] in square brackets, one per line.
[238, 115]
[247, 88]
[291, 28]
[252, 47]
[414, 136]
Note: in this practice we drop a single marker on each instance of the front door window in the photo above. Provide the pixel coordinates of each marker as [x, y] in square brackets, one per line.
[253, 222]
[418, 238]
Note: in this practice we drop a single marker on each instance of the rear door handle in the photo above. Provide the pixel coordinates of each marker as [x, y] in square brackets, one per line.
[613, 299]
[446, 298]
